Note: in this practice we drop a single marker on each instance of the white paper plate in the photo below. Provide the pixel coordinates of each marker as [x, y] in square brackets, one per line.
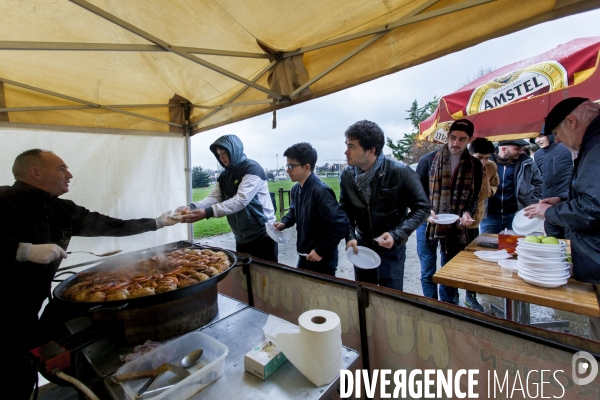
[547, 283]
[492, 256]
[275, 234]
[522, 225]
[365, 259]
[540, 252]
[531, 258]
[446, 219]
[512, 264]
[549, 276]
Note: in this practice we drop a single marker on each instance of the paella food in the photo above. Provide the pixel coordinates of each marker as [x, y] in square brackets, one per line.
[145, 277]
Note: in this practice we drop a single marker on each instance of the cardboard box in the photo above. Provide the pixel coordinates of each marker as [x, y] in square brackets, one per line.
[264, 359]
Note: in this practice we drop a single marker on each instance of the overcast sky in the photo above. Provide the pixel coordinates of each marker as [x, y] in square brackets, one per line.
[322, 121]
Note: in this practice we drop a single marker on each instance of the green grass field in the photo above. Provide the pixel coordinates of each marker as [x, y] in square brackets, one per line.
[218, 226]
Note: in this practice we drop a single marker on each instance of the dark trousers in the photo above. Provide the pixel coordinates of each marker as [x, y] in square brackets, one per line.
[427, 252]
[327, 265]
[265, 248]
[496, 223]
[390, 272]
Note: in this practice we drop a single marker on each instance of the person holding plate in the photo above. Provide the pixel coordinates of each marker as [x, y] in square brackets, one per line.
[384, 202]
[242, 195]
[452, 178]
[319, 219]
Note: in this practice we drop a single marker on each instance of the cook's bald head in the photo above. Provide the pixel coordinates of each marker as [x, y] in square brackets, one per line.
[26, 160]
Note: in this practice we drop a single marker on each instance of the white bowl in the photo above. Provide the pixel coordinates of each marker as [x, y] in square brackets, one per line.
[545, 265]
[540, 252]
[545, 274]
[365, 259]
[522, 225]
[542, 277]
[537, 282]
[531, 258]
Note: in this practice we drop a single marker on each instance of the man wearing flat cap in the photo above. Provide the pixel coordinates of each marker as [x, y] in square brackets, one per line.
[575, 122]
[520, 185]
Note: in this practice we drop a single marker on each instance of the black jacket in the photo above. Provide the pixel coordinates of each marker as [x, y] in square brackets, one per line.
[31, 215]
[578, 218]
[555, 162]
[424, 169]
[320, 221]
[396, 189]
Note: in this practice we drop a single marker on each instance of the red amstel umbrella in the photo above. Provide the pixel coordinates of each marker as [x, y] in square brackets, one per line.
[513, 101]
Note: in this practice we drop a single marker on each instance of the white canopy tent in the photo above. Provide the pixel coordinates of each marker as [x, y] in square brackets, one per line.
[116, 88]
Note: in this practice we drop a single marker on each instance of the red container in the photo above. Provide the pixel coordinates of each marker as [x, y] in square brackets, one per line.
[508, 241]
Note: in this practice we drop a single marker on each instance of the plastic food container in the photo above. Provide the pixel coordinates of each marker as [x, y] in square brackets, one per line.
[168, 385]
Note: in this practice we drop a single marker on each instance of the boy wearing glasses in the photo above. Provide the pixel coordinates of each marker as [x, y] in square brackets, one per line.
[319, 219]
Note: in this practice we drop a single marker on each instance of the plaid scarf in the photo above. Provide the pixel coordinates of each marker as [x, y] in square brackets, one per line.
[447, 197]
[364, 179]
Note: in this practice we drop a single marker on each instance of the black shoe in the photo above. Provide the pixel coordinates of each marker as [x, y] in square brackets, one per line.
[472, 303]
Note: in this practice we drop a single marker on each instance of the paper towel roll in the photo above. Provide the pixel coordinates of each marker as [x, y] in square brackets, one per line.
[314, 347]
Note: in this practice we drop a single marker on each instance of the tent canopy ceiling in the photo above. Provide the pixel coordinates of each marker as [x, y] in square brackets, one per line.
[135, 64]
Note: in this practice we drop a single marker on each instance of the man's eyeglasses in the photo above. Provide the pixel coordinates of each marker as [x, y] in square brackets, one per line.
[291, 166]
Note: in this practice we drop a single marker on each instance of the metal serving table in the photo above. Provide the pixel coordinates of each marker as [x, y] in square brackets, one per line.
[239, 327]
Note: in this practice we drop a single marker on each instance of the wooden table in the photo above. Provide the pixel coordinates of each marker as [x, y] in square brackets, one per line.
[466, 271]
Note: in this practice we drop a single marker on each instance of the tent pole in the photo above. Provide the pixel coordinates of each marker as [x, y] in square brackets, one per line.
[188, 164]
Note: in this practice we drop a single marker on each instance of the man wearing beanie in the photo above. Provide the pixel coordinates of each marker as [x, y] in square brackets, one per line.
[575, 122]
[451, 177]
[520, 185]
[555, 163]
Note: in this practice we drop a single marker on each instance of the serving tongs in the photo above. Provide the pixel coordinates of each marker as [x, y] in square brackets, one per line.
[110, 253]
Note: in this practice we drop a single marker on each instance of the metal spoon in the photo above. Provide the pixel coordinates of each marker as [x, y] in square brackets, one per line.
[187, 361]
[110, 253]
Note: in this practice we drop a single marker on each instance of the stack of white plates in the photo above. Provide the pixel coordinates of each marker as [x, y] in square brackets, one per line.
[543, 265]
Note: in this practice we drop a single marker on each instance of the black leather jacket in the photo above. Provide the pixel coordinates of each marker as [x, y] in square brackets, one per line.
[396, 189]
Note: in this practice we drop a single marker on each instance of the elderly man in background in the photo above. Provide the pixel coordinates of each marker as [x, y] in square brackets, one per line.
[384, 202]
[575, 122]
[35, 230]
[555, 163]
[520, 186]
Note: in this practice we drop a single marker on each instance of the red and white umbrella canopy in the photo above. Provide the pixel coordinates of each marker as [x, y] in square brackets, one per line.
[513, 101]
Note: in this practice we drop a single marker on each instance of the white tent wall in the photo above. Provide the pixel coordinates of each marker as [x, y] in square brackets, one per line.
[121, 175]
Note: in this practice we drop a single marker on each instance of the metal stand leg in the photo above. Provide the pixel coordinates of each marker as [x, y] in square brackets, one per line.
[519, 311]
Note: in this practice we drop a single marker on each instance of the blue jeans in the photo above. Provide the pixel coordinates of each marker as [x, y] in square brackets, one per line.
[496, 223]
[427, 252]
[390, 272]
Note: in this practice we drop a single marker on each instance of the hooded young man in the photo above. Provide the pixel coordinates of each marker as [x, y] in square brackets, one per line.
[452, 179]
[242, 195]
